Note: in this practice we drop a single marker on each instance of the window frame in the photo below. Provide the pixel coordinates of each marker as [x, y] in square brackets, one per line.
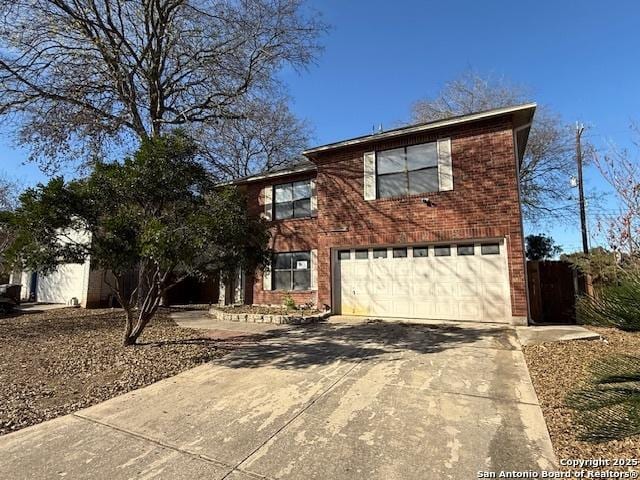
[379, 250]
[435, 250]
[463, 246]
[406, 170]
[361, 251]
[483, 252]
[420, 247]
[275, 203]
[291, 271]
[399, 250]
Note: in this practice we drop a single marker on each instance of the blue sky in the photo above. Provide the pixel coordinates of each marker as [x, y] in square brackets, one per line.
[580, 58]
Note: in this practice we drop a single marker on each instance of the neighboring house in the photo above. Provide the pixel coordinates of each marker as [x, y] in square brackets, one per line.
[87, 285]
[71, 283]
[418, 222]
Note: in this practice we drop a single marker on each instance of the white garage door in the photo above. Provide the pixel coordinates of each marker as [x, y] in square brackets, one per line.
[439, 282]
[61, 285]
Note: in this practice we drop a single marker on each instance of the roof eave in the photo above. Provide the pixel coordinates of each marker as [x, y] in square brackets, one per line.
[266, 176]
[520, 111]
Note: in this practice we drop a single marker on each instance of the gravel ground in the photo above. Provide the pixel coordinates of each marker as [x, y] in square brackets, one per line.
[55, 362]
[558, 368]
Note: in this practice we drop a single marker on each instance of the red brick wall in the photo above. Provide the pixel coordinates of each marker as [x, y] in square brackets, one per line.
[286, 236]
[483, 204]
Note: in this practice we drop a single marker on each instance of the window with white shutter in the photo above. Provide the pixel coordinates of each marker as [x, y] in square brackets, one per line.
[370, 176]
[267, 202]
[445, 169]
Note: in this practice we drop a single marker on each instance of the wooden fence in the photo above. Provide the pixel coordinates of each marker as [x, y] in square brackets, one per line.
[553, 287]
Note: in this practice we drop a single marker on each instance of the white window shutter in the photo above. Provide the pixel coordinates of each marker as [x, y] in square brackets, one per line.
[266, 279]
[370, 175]
[267, 200]
[314, 269]
[445, 170]
[314, 198]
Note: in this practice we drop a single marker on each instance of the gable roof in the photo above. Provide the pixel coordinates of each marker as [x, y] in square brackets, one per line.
[302, 165]
[522, 116]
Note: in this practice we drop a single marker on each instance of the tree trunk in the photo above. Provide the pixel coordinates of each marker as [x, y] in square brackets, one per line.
[127, 340]
[142, 285]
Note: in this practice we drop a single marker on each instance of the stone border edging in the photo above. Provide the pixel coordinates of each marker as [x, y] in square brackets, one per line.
[292, 319]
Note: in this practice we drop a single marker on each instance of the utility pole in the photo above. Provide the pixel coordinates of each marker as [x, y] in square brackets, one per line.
[588, 282]
[583, 215]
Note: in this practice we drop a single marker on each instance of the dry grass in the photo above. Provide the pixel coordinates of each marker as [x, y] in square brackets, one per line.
[560, 368]
[55, 362]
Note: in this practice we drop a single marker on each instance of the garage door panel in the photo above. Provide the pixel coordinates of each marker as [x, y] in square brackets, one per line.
[466, 269]
[424, 289]
[422, 309]
[403, 268]
[493, 291]
[445, 289]
[422, 272]
[377, 270]
[443, 270]
[466, 287]
[382, 307]
[380, 287]
[470, 310]
[446, 310]
[494, 312]
[402, 307]
[401, 286]
[492, 268]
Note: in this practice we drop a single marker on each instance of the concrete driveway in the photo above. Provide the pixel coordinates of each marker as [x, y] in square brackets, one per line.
[339, 400]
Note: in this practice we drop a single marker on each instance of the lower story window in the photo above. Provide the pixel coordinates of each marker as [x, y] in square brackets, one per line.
[292, 271]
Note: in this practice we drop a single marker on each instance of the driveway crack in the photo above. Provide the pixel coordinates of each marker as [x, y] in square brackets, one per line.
[154, 441]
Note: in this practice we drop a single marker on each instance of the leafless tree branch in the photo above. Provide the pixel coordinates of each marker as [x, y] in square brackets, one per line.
[85, 77]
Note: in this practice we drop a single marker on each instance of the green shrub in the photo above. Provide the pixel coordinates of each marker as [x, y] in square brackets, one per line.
[614, 306]
[608, 405]
[288, 302]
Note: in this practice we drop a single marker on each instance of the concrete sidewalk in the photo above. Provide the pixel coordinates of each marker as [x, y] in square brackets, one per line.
[536, 334]
[339, 401]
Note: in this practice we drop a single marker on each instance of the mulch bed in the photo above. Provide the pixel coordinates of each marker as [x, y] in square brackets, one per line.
[559, 368]
[261, 310]
[55, 362]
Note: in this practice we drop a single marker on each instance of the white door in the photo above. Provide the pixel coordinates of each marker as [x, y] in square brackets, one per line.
[441, 282]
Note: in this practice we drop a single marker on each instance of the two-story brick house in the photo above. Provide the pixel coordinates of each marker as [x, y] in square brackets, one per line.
[418, 222]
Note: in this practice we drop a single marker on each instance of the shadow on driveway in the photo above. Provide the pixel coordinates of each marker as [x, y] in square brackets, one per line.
[322, 344]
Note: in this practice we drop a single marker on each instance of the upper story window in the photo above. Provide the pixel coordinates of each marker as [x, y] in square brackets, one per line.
[407, 170]
[292, 200]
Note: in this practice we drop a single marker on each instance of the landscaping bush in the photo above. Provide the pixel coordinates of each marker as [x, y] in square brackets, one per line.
[608, 406]
[615, 305]
[288, 302]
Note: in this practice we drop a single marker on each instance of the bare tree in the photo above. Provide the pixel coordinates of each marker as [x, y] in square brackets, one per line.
[86, 76]
[548, 163]
[620, 168]
[269, 137]
[8, 201]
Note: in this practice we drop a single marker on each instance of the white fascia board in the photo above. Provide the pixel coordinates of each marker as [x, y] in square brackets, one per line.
[423, 127]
